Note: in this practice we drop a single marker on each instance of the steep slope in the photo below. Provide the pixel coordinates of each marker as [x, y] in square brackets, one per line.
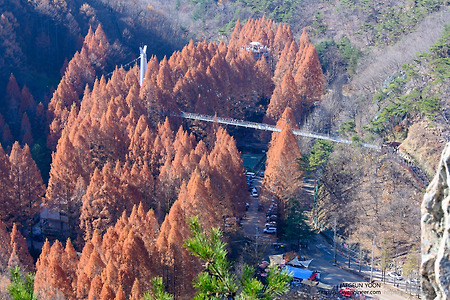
[403, 98]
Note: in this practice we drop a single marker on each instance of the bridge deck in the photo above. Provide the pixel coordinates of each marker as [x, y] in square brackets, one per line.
[263, 126]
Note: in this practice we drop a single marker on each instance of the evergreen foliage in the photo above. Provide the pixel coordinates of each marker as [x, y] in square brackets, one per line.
[217, 281]
[279, 11]
[350, 53]
[387, 25]
[323, 48]
[21, 287]
[228, 27]
[158, 291]
[393, 22]
[440, 56]
[356, 140]
[318, 25]
[294, 226]
[201, 7]
[334, 55]
[319, 154]
[347, 127]
[415, 90]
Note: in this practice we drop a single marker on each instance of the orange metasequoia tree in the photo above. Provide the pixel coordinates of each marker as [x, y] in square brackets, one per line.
[178, 268]
[6, 208]
[282, 178]
[56, 271]
[286, 94]
[13, 249]
[27, 188]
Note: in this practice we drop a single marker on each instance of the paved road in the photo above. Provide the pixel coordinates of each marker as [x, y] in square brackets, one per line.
[253, 223]
[323, 261]
[319, 251]
[323, 258]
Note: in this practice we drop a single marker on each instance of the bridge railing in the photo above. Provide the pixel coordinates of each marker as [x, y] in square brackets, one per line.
[268, 127]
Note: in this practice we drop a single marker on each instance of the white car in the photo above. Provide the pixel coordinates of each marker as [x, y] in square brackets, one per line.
[270, 230]
[395, 275]
[413, 281]
[271, 224]
[254, 193]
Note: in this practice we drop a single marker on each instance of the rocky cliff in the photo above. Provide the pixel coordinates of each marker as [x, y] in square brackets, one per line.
[435, 225]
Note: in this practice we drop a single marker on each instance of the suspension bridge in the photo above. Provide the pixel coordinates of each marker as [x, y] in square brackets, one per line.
[405, 161]
[235, 122]
[268, 127]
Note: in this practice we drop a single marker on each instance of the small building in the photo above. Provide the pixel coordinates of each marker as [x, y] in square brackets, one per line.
[298, 273]
[258, 49]
[52, 223]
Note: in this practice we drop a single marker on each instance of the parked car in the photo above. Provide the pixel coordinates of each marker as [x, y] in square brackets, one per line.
[271, 224]
[270, 230]
[272, 211]
[413, 281]
[250, 174]
[272, 218]
[247, 206]
[255, 193]
[395, 275]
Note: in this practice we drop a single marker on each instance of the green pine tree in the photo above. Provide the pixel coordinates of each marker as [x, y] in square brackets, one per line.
[21, 287]
[158, 291]
[294, 227]
[217, 281]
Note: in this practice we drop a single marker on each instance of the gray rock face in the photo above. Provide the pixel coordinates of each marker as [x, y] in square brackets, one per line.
[435, 226]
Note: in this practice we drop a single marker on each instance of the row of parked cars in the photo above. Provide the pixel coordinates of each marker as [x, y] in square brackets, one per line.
[249, 176]
[271, 225]
[271, 219]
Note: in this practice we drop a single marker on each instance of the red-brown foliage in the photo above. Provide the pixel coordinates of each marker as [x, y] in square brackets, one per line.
[309, 77]
[6, 211]
[301, 61]
[282, 177]
[285, 95]
[177, 267]
[19, 245]
[113, 154]
[112, 266]
[27, 188]
[105, 199]
[80, 71]
[20, 115]
[13, 250]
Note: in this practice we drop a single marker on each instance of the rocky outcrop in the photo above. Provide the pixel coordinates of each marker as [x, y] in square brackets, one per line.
[435, 223]
[427, 154]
